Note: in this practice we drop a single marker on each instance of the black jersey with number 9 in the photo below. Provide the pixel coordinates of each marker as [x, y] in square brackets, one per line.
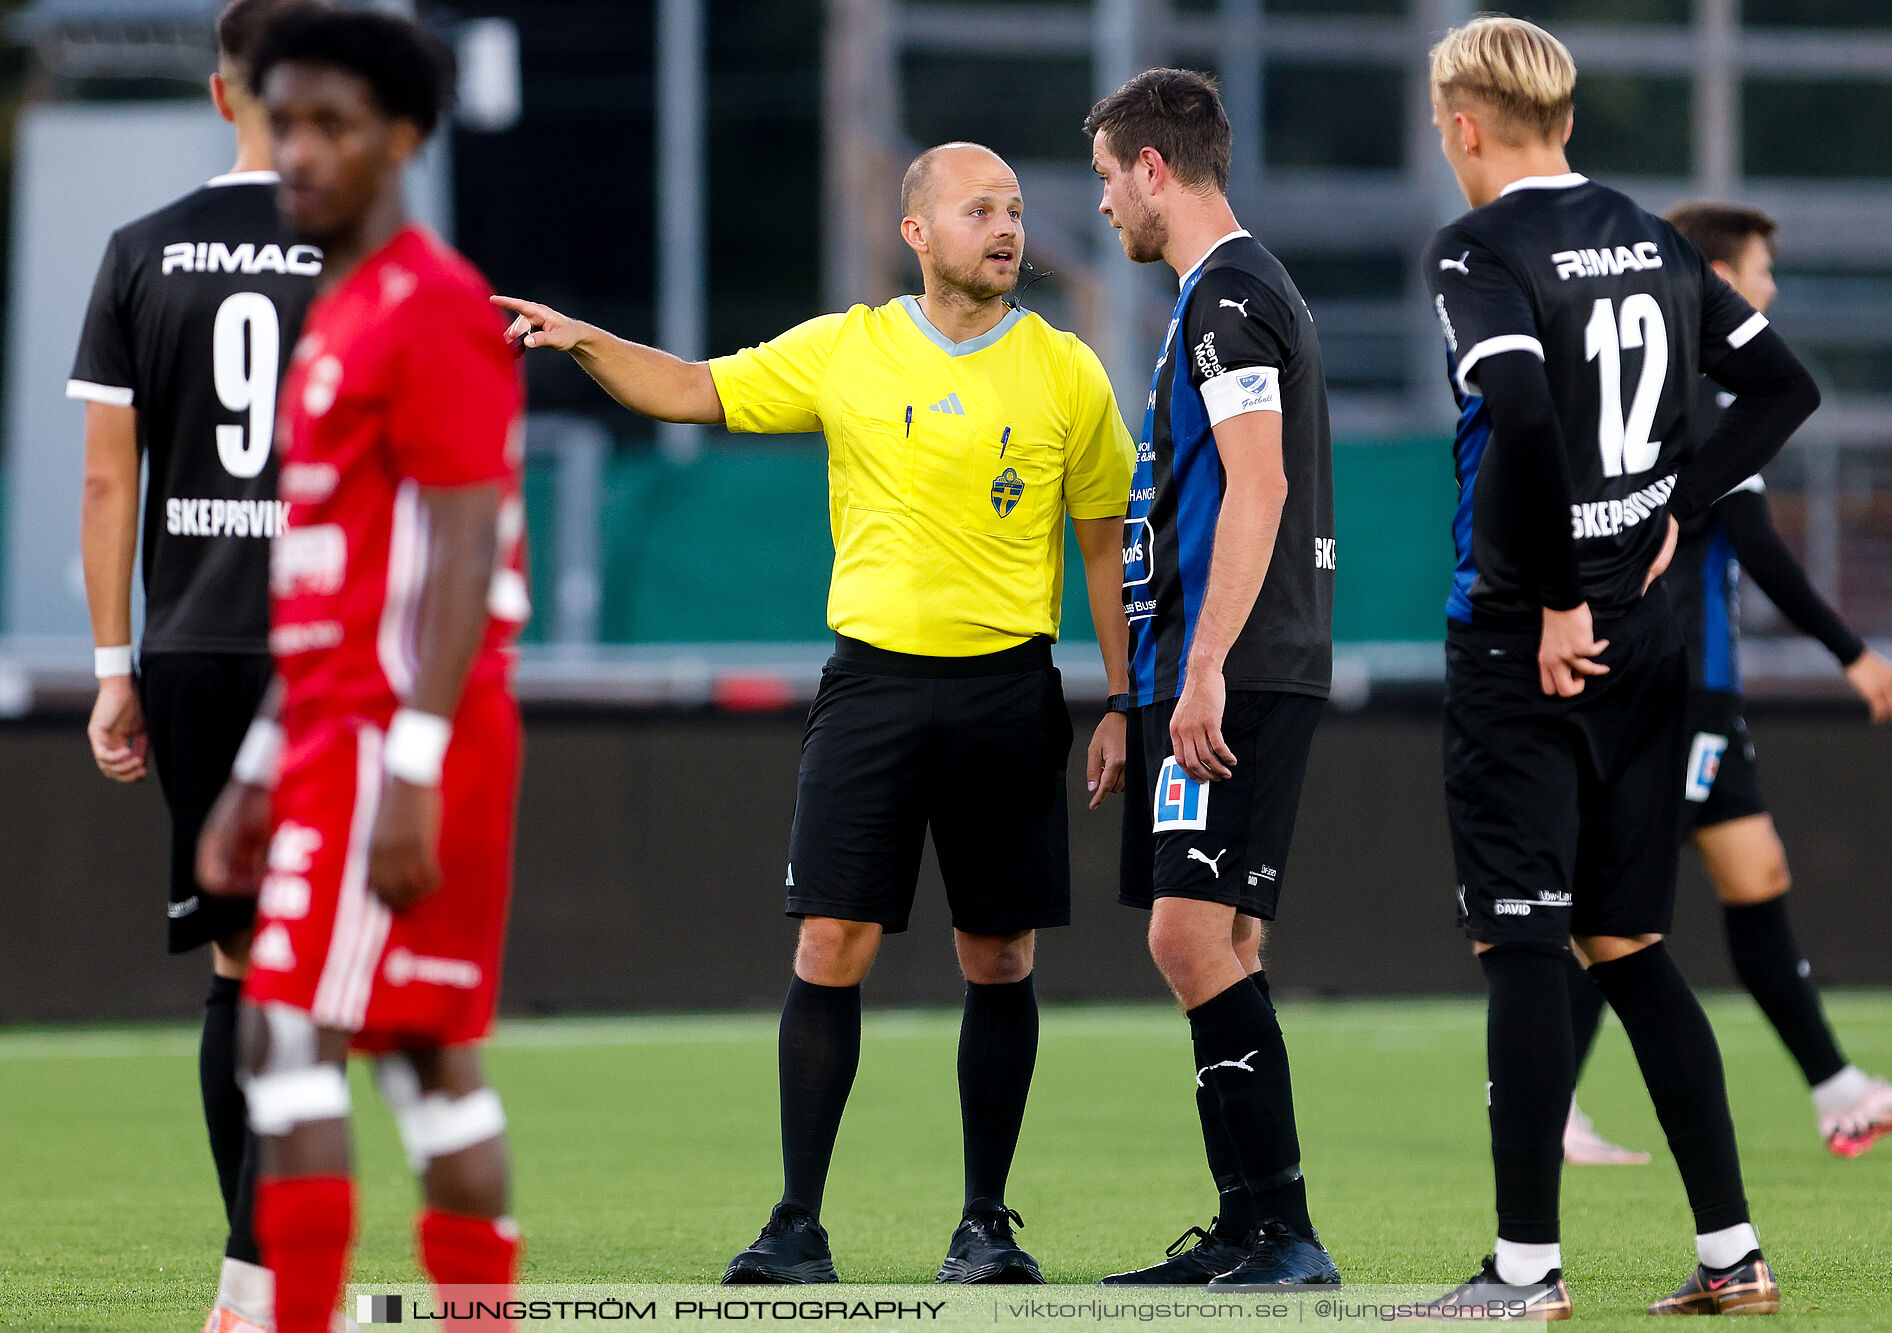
[193, 316]
[1625, 314]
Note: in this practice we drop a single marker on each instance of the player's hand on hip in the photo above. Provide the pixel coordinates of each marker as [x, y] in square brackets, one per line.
[117, 730]
[541, 326]
[1103, 767]
[1567, 652]
[1660, 565]
[1195, 728]
[1871, 676]
[403, 855]
[233, 849]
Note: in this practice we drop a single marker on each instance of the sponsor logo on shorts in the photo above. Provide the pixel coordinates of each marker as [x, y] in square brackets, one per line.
[404, 965]
[1704, 765]
[1256, 876]
[1197, 854]
[1181, 801]
[1522, 906]
[271, 951]
[183, 908]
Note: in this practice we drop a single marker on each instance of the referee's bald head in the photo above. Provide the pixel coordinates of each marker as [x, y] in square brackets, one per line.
[919, 187]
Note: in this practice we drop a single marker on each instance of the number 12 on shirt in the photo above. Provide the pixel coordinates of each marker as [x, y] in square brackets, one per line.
[1627, 448]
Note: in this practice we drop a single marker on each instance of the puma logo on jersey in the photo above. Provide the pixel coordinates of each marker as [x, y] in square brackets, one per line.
[1195, 854]
[302, 261]
[1458, 264]
[1241, 305]
[1606, 262]
[1241, 1064]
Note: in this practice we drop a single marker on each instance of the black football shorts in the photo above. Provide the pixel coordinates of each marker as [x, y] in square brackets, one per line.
[1224, 841]
[1565, 813]
[972, 748]
[1719, 783]
[197, 708]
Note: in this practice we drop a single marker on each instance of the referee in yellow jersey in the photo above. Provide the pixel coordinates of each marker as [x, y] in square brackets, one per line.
[961, 430]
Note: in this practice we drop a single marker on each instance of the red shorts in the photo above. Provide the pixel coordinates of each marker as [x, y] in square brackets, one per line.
[326, 944]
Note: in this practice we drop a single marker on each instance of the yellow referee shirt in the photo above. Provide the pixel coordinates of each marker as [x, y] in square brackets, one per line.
[950, 466]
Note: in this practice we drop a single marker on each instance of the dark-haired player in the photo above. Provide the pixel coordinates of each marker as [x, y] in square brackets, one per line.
[193, 314]
[384, 854]
[1228, 587]
[1577, 325]
[1723, 806]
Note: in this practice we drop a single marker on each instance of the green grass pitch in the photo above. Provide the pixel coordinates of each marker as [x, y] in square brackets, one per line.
[646, 1151]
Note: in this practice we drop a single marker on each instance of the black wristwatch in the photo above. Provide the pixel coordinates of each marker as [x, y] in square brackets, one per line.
[1119, 703]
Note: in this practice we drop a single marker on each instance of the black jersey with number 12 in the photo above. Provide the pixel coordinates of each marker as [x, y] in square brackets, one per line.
[192, 319]
[1625, 314]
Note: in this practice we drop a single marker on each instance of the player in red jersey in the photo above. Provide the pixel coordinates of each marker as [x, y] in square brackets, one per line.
[384, 857]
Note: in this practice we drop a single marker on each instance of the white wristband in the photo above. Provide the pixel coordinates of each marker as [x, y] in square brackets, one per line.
[111, 661]
[416, 747]
[256, 758]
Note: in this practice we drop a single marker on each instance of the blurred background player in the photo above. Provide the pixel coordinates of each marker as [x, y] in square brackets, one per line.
[961, 430]
[1577, 326]
[1724, 808]
[191, 319]
[385, 857]
[1228, 588]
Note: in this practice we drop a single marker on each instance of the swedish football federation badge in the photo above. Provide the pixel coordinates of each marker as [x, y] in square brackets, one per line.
[1006, 488]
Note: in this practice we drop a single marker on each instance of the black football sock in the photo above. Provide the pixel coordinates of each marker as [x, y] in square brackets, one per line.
[232, 1146]
[1532, 1065]
[1768, 961]
[1586, 1010]
[1681, 1064]
[819, 1051]
[998, 1047]
[1235, 1216]
[1241, 1056]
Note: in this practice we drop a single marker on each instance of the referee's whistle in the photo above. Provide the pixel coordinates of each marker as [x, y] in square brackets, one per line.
[909, 421]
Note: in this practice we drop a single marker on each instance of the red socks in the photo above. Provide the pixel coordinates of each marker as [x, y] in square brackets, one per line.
[304, 1225]
[470, 1251]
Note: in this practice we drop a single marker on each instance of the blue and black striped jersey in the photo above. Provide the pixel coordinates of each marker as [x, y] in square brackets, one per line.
[1241, 339]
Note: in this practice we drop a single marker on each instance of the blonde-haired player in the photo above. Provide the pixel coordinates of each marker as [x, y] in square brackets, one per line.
[1576, 326]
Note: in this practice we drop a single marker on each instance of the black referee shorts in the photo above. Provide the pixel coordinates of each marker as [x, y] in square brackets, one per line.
[197, 708]
[1719, 782]
[973, 748]
[1565, 813]
[1218, 842]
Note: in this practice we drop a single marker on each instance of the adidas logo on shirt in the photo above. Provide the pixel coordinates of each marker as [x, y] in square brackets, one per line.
[949, 405]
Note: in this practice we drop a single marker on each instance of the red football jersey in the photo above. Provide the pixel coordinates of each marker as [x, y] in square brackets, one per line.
[402, 379]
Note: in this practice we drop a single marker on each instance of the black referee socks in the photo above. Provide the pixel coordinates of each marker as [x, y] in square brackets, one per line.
[1242, 1061]
[232, 1146]
[1768, 961]
[819, 1052]
[1532, 1064]
[998, 1048]
[1681, 1064]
